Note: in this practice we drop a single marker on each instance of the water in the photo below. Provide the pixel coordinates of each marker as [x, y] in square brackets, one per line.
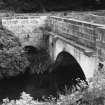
[33, 84]
[13, 87]
[37, 85]
[64, 72]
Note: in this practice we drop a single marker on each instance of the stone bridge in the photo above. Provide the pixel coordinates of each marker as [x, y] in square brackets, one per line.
[83, 40]
[26, 27]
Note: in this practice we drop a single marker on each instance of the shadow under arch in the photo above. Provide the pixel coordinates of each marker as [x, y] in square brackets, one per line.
[31, 49]
[66, 70]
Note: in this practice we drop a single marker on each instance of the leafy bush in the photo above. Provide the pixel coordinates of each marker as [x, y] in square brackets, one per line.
[25, 99]
[12, 57]
[95, 95]
[39, 62]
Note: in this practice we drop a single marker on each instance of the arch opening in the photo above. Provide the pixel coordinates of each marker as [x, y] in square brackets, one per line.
[67, 72]
[31, 49]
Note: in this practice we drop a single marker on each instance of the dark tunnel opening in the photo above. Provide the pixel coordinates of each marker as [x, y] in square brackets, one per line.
[67, 72]
[31, 49]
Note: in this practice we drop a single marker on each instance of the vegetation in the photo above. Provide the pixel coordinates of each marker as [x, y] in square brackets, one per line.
[50, 5]
[94, 95]
[12, 57]
[15, 60]
[40, 61]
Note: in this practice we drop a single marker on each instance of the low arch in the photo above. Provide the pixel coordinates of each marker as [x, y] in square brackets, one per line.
[66, 71]
[31, 49]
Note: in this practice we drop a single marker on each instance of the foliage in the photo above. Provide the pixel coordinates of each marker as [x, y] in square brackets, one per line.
[39, 62]
[12, 57]
[95, 95]
[50, 5]
[13, 60]
[92, 96]
[25, 99]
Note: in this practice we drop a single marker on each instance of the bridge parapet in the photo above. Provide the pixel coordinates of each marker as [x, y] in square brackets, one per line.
[26, 27]
[87, 17]
[87, 34]
[81, 32]
[100, 43]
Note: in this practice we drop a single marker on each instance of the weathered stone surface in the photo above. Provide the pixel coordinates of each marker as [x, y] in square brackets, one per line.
[26, 28]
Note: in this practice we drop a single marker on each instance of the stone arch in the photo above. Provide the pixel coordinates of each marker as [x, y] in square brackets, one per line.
[66, 71]
[87, 63]
[31, 49]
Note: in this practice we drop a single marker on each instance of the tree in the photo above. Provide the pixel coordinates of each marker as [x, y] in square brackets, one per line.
[26, 5]
[12, 57]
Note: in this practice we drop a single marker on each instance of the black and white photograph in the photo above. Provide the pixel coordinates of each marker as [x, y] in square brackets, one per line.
[52, 52]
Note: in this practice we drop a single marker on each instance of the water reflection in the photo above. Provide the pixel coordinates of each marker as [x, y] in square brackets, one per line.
[13, 87]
